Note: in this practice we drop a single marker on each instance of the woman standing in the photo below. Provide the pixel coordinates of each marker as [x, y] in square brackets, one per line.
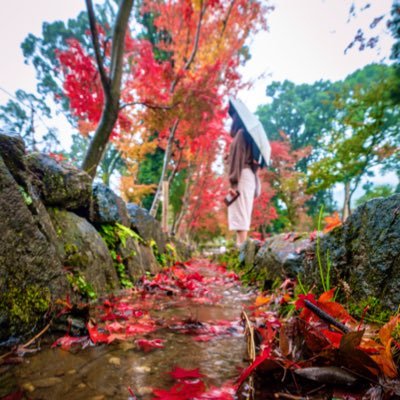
[243, 179]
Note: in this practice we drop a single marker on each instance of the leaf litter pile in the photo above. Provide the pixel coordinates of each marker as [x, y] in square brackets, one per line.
[299, 346]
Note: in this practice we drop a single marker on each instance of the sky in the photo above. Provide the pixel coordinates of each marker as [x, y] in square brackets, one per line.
[305, 43]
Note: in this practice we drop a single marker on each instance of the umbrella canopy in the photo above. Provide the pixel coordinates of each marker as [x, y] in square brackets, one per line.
[261, 146]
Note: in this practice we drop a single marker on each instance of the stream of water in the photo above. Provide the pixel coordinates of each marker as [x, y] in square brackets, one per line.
[201, 330]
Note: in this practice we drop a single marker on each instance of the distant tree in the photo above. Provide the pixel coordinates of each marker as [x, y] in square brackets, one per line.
[264, 211]
[395, 54]
[305, 113]
[374, 191]
[288, 183]
[365, 134]
[23, 114]
[111, 162]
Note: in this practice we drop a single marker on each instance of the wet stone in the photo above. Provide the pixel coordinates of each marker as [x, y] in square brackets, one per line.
[115, 361]
[28, 387]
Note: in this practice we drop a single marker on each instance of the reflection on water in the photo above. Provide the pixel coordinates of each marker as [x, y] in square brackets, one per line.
[106, 371]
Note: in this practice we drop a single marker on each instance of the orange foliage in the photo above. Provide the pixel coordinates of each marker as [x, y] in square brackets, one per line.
[332, 222]
[187, 88]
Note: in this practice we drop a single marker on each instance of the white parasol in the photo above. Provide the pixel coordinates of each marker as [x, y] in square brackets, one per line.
[254, 129]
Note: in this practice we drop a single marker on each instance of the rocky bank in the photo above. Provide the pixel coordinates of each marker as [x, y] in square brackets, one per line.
[64, 241]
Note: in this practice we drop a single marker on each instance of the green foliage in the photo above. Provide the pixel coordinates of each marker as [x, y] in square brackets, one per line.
[304, 112]
[374, 191]
[177, 191]
[150, 172]
[22, 115]
[27, 198]
[249, 274]
[171, 254]
[161, 258]
[79, 284]
[365, 133]
[370, 309]
[116, 236]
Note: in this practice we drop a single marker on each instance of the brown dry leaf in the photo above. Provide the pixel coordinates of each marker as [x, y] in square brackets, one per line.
[284, 343]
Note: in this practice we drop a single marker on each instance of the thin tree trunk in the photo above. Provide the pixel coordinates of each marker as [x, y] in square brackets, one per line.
[185, 202]
[346, 202]
[111, 85]
[167, 157]
[111, 165]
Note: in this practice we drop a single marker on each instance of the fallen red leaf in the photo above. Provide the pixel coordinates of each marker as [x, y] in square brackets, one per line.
[265, 355]
[148, 345]
[95, 335]
[181, 373]
[66, 342]
[186, 390]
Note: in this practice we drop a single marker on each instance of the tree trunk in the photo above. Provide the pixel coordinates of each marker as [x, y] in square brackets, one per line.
[346, 203]
[111, 84]
[167, 157]
[185, 201]
[99, 142]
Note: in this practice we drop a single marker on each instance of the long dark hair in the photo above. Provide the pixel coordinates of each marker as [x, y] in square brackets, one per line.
[237, 124]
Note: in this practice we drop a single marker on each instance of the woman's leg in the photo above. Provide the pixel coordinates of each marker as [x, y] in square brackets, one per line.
[241, 237]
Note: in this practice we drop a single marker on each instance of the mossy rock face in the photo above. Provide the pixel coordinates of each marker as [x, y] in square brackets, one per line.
[12, 150]
[148, 260]
[29, 262]
[26, 305]
[133, 259]
[365, 252]
[146, 226]
[86, 254]
[60, 184]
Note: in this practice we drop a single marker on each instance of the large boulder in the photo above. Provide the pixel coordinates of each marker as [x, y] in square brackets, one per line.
[31, 274]
[107, 207]
[282, 256]
[364, 252]
[12, 150]
[58, 183]
[146, 226]
[86, 254]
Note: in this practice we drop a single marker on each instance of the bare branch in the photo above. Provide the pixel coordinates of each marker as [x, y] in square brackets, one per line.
[148, 105]
[118, 43]
[225, 21]
[195, 46]
[96, 45]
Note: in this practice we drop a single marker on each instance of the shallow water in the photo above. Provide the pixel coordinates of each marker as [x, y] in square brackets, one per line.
[106, 371]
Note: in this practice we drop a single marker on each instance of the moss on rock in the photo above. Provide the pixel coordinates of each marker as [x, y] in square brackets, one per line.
[26, 305]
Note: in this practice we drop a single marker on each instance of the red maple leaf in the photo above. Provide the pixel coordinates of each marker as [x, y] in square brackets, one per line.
[148, 345]
[181, 373]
